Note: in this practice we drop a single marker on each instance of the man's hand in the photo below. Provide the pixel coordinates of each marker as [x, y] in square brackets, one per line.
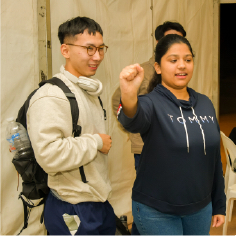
[218, 220]
[106, 143]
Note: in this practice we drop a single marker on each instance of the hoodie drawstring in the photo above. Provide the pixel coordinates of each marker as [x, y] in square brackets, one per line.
[185, 127]
[186, 131]
[203, 135]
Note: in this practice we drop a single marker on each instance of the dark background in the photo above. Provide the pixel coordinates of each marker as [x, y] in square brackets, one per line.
[227, 58]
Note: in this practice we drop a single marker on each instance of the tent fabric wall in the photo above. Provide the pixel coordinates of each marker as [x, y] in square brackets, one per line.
[19, 76]
[128, 28]
[197, 19]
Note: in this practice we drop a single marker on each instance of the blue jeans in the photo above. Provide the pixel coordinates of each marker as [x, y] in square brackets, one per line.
[149, 221]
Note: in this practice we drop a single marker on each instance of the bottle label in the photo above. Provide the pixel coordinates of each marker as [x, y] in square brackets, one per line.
[17, 135]
[11, 141]
[12, 148]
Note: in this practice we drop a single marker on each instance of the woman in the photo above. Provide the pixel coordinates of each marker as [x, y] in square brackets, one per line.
[179, 184]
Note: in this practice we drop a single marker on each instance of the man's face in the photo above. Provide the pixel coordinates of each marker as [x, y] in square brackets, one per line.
[78, 62]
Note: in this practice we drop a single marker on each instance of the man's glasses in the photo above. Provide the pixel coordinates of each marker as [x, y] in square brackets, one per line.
[91, 50]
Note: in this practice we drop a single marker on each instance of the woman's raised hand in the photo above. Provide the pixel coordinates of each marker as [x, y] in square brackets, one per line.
[131, 78]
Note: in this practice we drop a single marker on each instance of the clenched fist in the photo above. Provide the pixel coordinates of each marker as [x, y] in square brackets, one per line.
[106, 143]
[131, 78]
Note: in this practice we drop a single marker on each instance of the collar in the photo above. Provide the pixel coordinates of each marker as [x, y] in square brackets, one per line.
[68, 75]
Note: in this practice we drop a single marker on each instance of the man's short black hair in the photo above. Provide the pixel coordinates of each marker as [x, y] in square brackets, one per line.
[159, 33]
[78, 25]
[168, 25]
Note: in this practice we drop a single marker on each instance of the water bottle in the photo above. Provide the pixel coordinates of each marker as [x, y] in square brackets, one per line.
[18, 139]
[123, 219]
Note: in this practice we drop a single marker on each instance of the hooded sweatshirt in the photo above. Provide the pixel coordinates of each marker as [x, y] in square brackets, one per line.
[58, 152]
[180, 170]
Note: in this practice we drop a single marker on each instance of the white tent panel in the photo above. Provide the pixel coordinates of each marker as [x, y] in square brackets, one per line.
[197, 19]
[19, 76]
[127, 27]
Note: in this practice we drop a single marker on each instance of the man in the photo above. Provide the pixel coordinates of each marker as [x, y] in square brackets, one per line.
[83, 203]
[136, 140]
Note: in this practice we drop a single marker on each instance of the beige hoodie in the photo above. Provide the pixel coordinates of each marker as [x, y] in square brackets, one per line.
[49, 124]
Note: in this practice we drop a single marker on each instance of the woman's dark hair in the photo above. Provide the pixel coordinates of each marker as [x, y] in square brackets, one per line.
[161, 49]
[77, 26]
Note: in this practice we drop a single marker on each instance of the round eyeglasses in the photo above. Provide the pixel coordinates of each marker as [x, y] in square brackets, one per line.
[91, 50]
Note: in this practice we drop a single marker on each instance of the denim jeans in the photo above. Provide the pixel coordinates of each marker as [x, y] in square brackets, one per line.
[149, 221]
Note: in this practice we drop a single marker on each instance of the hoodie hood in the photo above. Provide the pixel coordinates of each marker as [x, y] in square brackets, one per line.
[179, 103]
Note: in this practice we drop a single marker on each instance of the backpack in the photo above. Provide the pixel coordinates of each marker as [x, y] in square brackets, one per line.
[34, 178]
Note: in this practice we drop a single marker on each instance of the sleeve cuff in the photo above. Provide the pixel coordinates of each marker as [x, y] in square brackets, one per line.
[99, 141]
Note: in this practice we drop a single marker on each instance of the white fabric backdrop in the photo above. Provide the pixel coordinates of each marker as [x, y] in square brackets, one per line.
[197, 19]
[127, 27]
[19, 76]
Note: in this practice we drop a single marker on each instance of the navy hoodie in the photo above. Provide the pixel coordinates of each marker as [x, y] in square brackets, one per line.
[180, 169]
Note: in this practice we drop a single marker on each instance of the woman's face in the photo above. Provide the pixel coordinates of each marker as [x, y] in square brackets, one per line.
[176, 67]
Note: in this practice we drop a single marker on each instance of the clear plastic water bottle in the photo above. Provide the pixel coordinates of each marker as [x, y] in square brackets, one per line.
[18, 138]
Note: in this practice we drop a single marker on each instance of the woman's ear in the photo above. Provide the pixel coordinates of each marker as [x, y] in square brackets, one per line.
[157, 68]
[65, 51]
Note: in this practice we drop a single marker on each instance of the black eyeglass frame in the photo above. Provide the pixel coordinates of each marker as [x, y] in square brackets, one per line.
[87, 47]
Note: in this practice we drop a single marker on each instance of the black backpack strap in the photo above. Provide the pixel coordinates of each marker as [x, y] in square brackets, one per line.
[21, 118]
[74, 111]
[83, 177]
[121, 227]
[73, 103]
[27, 209]
[105, 112]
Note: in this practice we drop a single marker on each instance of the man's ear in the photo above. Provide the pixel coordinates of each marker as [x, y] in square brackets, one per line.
[157, 68]
[65, 50]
